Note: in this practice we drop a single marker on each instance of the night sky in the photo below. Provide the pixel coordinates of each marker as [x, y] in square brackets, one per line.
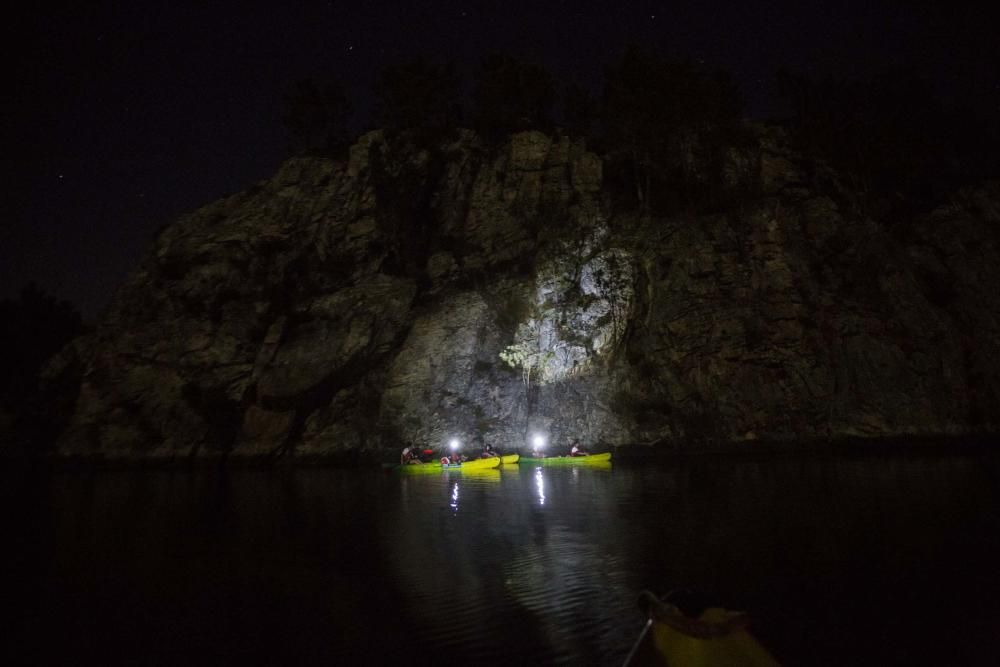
[121, 117]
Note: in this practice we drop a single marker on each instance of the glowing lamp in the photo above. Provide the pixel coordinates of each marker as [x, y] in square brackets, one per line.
[538, 441]
[454, 443]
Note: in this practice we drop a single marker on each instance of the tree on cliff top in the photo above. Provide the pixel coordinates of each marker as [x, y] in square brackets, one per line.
[579, 110]
[418, 94]
[890, 137]
[511, 96]
[654, 109]
[32, 328]
[315, 116]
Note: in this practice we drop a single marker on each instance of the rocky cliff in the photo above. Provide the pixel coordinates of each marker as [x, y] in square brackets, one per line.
[414, 293]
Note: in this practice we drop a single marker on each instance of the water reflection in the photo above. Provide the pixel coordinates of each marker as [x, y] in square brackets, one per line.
[481, 475]
[503, 561]
[893, 553]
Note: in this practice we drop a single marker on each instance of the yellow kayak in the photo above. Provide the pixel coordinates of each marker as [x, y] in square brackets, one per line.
[568, 460]
[509, 459]
[717, 637]
[471, 464]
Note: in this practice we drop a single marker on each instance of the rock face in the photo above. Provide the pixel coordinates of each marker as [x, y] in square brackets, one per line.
[420, 294]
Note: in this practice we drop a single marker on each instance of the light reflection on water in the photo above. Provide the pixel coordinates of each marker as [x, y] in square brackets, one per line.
[540, 484]
[527, 551]
[537, 565]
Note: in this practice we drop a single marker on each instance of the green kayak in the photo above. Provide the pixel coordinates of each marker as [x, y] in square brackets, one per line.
[567, 460]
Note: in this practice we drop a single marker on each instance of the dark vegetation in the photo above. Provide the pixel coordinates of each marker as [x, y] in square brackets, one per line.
[665, 125]
[900, 147]
[33, 327]
[511, 96]
[418, 95]
[668, 128]
[315, 116]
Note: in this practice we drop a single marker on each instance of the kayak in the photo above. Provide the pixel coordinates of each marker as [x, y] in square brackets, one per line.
[509, 459]
[714, 637]
[568, 460]
[471, 464]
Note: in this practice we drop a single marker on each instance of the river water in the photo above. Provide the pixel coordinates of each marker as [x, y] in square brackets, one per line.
[850, 560]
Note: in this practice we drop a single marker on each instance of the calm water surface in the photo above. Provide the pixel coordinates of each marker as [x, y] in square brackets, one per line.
[870, 560]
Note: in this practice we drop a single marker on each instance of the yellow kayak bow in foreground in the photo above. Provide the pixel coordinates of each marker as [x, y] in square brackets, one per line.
[716, 637]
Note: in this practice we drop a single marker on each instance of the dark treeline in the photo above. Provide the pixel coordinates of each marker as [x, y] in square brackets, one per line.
[657, 120]
[665, 125]
[33, 327]
[900, 147]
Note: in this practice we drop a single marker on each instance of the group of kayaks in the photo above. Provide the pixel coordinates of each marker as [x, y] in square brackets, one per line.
[509, 459]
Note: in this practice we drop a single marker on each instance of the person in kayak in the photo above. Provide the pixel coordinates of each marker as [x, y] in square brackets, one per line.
[452, 459]
[409, 456]
[488, 452]
[577, 449]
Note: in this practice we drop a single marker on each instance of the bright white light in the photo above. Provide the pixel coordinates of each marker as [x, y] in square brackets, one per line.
[540, 485]
[538, 441]
[454, 443]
